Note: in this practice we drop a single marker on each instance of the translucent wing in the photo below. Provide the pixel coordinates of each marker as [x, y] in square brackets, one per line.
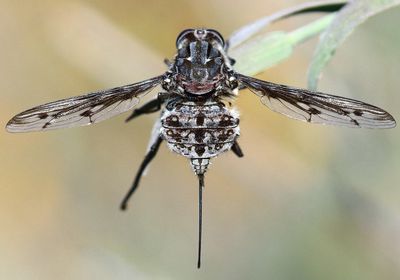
[316, 107]
[81, 110]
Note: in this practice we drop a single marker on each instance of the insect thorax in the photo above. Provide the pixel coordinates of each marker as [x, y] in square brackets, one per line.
[199, 130]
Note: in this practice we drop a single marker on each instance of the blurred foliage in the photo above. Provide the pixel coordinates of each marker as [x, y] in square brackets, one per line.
[254, 55]
[306, 202]
[265, 51]
[351, 16]
[249, 30]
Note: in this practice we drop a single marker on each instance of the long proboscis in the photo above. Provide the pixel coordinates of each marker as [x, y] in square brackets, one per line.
[201, 186]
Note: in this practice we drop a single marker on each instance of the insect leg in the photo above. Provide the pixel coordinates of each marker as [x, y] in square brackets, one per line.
[236, 149]
[150, 107]
[168, 62]
[147, 159]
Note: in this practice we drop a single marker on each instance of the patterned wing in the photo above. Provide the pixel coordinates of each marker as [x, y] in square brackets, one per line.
[81, 110]
[316, 107]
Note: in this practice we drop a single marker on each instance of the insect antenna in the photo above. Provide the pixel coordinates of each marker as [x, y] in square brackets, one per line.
[201, 186]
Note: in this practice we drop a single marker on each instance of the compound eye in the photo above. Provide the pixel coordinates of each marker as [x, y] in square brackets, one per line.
[184, 35]
[217, 36]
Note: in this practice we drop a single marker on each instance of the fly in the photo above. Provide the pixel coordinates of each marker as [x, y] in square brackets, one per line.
[197, 120]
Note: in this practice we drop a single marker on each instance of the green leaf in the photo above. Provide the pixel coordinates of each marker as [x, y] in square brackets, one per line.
[352, 15]
[264, 51]
[249, 30]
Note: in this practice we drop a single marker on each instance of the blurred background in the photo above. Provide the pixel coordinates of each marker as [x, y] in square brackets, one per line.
[306, 201]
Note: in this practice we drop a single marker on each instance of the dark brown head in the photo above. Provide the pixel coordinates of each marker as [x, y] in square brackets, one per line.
[199, 62]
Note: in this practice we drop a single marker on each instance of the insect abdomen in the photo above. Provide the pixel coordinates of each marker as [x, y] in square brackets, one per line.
[199, 131]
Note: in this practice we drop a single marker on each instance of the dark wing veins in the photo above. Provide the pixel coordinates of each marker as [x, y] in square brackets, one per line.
[82, 110]
[317, 107]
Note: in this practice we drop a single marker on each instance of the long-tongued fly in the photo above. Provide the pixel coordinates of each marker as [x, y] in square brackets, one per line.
[197, 120]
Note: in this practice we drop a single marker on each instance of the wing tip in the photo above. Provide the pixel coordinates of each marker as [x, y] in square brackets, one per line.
[389, 122]
[14, 127]
[9, 126]
[393, 121]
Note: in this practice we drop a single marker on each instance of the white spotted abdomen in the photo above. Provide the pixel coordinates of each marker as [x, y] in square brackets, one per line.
[199, 131]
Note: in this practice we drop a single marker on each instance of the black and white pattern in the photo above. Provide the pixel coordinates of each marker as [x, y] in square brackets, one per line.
[197, 120]
[317, 107]
[81, 110]
[200, 131]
